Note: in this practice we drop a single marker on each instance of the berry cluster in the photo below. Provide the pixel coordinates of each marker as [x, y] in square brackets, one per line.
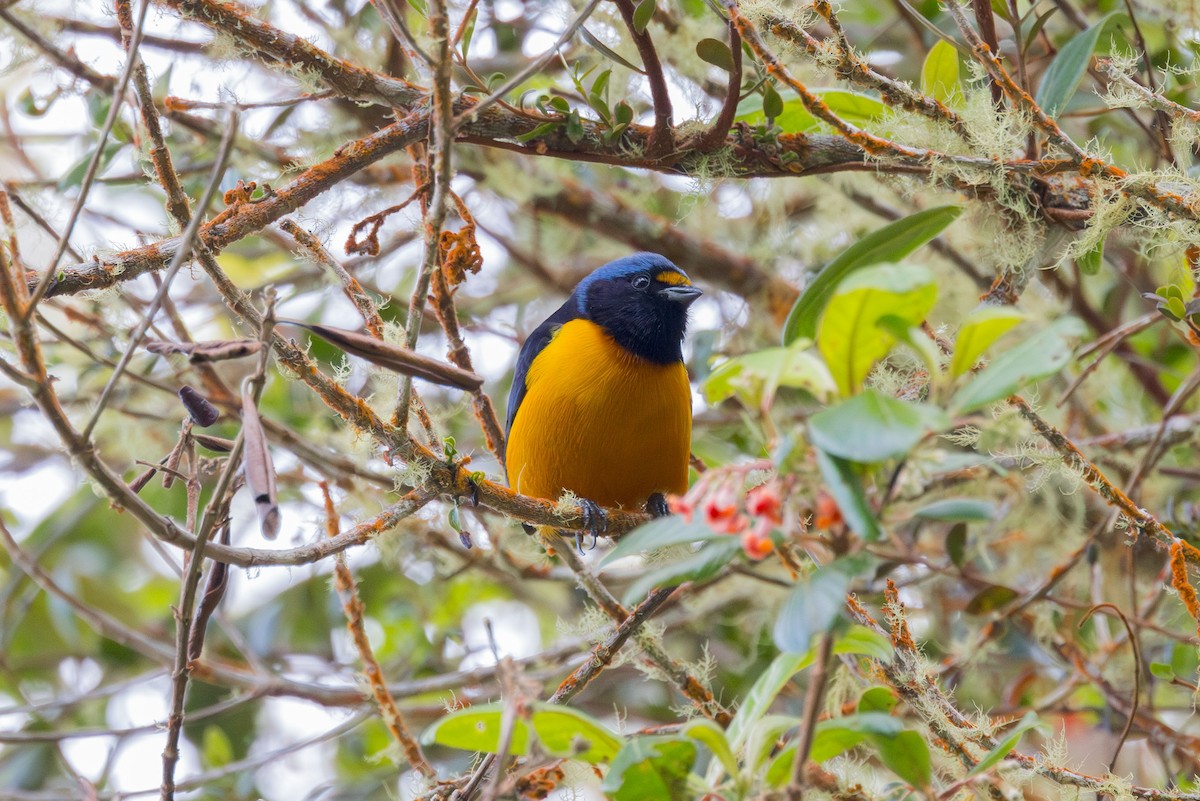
[756, 516]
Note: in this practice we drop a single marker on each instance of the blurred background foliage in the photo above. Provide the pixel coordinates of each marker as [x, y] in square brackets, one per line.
[997, 593]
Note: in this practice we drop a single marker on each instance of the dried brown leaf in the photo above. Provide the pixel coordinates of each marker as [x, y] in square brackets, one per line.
[391, 357]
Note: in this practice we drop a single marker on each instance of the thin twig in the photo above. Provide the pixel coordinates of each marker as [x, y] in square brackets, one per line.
[114, 110]
[178, 260]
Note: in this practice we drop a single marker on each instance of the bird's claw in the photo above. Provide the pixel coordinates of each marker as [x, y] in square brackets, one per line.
[657, 506]
[595, 522]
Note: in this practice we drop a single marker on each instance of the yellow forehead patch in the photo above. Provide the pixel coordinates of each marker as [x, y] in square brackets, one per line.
[672, 278]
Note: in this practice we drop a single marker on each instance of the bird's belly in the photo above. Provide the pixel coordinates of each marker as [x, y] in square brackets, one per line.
[608, 426]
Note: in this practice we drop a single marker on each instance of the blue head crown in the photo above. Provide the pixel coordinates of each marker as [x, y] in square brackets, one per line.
[627, 265]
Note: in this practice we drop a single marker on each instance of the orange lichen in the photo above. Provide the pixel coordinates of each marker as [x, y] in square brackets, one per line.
[1179, 580]
[901, 636]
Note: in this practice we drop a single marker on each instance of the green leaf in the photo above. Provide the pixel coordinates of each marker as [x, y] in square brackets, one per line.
[872, 427]
[561, 732]
[889, 244]
[920, 343]
[705, 563]
[574, 129]
[1090, 263]
[1161, 670]
[217, 750]
[955, 509]
[838, 735]
[979, 331]
[715, 52]
[810, 608]
[878, 699]
[862, 641]
[662, 532]
[713, 737]
[1043, 354]
[538, 132]
[762, 695]
[763, 737]
[853, 107]
[1062, 77]
[990, 599]
[772, 103]
[956, 544]
[1005, 747]
[844, 485]
[607, 51]
[850, 336]
[906, 754]
[755, 377]
[469, 32]
[650, 769]
[643, 14]
[74, 176]
[939, 73]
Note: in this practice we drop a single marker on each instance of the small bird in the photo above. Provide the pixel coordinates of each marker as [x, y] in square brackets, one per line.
[600, 403]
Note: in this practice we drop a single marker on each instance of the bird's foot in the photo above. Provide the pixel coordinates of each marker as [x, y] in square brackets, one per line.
[595, 522]
[657, 506]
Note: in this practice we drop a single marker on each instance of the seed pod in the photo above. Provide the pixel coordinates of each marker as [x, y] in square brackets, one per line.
[203, 413]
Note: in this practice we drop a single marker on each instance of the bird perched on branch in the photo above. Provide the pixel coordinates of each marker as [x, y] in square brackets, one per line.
[600, 404]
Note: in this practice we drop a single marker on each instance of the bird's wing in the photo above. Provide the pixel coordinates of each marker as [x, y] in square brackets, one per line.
[535, 344]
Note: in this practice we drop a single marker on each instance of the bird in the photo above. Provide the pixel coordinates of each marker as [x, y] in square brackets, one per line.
[600, 404]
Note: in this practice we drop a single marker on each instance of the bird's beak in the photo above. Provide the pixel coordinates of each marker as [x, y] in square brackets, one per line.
[683, 294]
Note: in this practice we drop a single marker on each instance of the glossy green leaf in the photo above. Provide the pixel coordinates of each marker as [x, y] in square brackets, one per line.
[561, 731]
[662, 532]
[762, 694]
[772, 103]
[862, 641]
[704, 563]
[955, 509]
[1005, 746]
[906, 754]
[920, 343]
[1043, 354]
[650, 769]
[643, 14]
[755, 377]
[878, 699]
[846, 488]
[810, 608]
[939, 73]
[715, 52]
[850, 337]
[872, 427]
[853, 107]
[763, 737]
[837, 735]
[889, 244]
[1062, 77]
[713, 737]
[979, 331]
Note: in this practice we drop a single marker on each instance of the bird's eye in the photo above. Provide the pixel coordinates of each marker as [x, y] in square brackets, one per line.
[641, 282]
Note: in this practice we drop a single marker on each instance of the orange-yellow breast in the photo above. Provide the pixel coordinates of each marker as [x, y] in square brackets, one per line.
[601, 422]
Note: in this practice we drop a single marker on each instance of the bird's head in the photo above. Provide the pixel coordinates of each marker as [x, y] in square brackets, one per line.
[642, 302]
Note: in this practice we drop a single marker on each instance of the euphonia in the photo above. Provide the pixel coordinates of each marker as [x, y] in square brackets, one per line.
[600, 403]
